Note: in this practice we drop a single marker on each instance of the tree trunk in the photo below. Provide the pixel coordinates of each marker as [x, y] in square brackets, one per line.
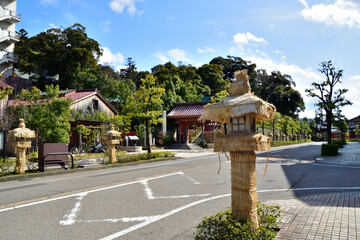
[243, 186]
[328, 127]
[147, 134]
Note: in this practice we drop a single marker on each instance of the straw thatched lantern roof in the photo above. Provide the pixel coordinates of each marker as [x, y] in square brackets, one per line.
[240, 102]
[22, 133]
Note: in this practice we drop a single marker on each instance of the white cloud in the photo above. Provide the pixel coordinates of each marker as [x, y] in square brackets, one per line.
[340, 13]
[70, 17]
[120, 5]
[49, 2]
[199, 64]
[162, 57]
[242, 39]
[106, 26]
[110, 59]
[174, 55]
[206, 50]
[178, 55]
[52, 25]
[222, 33]
[353, 85]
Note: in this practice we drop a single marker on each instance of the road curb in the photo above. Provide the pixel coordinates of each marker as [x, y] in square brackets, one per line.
[84, 169]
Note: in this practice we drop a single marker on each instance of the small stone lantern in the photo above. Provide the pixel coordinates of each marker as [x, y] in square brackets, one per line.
[271, 136]
[277, 137]
[22, 140]
[111, 141]
[241, 110]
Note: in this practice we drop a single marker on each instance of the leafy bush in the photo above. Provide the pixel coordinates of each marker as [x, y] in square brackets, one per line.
[203, 144]
[339, 143]
[167, 140]
[6, 167]
[32, 160]
[329, 149]
[122, 158]
[223, 226]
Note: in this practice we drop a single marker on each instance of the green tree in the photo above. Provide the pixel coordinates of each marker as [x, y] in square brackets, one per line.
[277, 89]
[47, 114]
[147, 104]
[329, 98]
[357, 130]
[67, 57]
[232, 64]
[211, 75]
[286, 124]
[275, 122]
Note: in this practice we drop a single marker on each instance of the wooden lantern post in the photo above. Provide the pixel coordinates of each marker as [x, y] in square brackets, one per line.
[23, 137]
[111, 142]
[241, 110]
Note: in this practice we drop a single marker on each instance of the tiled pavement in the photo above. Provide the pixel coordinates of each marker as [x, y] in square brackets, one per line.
[349, 155]
[323, 216]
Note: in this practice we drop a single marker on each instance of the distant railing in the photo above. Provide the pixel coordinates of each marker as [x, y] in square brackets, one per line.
[7, 12]
[9, 34]
[8, 57]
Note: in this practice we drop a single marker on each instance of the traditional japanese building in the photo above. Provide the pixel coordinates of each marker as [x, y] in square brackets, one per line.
[186, 115]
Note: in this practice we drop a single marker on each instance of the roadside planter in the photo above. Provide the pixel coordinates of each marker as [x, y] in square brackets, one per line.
[112, 141]
[23, 137]
[241, 110]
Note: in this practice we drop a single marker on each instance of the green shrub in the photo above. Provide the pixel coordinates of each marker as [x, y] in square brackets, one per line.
[223, 226]
[122, 158]
[343, 142]
[284, 143]
[167, 140]
[203, 144]
[32, 160]
[6, 167]
[329, 149]
[339, 143]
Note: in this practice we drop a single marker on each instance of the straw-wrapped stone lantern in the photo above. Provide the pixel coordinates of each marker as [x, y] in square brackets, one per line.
[271, 136]
[111, 141]
[241, 110]
[22, 140]
[277, 137]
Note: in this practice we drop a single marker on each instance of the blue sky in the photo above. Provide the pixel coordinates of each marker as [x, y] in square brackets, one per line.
[292, 36]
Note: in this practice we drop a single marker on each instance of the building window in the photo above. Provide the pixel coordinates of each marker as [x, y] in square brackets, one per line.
[95, 105]
[238, 124]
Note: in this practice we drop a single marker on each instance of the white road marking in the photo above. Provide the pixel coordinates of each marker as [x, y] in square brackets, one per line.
[134, 219]
[159, 217]
[150, 195]
[70, 218]
[147, 189]
[193, 180]
[85, 192]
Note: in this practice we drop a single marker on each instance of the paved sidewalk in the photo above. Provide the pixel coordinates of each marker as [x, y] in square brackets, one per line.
[325, 216]
[349, 155]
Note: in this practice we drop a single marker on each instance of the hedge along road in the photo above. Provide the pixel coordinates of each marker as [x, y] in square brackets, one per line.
[162, 200]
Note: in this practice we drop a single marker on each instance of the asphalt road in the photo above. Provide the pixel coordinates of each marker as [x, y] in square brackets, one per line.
[161, 200]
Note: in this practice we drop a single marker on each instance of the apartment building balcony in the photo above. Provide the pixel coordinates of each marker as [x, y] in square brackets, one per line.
[9, 16]
[8, 57]
[8, 36]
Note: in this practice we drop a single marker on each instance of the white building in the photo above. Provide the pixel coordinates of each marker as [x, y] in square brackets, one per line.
[8, 37]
